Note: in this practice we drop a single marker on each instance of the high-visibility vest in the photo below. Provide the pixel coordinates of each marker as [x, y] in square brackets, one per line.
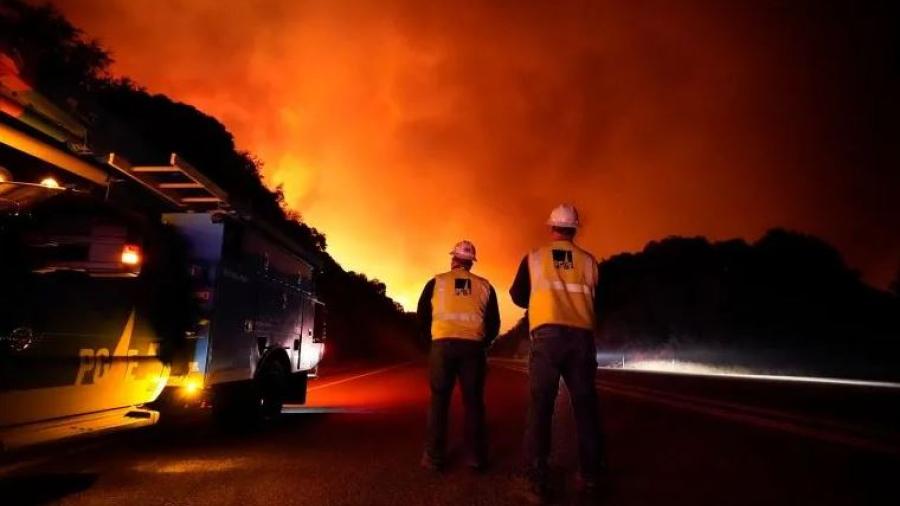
[563, 279]
[458, 305]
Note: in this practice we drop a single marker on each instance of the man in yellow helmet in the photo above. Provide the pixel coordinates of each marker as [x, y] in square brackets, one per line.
[458, 311]
[556, 283]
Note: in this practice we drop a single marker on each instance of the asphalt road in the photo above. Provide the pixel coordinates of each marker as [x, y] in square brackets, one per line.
[358, 441]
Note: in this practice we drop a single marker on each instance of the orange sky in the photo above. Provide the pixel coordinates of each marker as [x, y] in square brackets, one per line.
[398, 128]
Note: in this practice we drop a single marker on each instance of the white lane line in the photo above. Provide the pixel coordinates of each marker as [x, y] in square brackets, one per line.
[766, 377]
[359, 376]
[757, 377]
[300, 410]
[512, 366]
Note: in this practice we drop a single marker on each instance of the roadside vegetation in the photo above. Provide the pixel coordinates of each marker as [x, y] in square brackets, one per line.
[787, 303]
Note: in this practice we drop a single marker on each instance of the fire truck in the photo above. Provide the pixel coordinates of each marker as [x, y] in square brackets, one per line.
[128, 289]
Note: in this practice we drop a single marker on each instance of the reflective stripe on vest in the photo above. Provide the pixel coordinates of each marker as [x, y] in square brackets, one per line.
[458, 305]
[563, 279]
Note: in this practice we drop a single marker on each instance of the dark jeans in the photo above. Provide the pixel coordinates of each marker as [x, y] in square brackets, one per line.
[568, 352]
[451, 359]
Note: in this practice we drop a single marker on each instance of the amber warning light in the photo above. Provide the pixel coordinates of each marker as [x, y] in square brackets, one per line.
[131, 255]
[49, 182]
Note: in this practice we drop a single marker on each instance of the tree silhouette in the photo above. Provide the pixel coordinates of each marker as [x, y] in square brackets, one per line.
[56, 59]
[52, 54]
[787, 302]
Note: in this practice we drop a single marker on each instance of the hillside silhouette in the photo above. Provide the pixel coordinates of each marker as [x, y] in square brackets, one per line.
[786, 303]
[55, 58]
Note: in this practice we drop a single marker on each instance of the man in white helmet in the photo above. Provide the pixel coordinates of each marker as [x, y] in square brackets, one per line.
[557, 283]
[458, 312]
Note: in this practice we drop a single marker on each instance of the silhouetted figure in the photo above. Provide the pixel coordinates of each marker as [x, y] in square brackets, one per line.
[458, 311]
[557, 283]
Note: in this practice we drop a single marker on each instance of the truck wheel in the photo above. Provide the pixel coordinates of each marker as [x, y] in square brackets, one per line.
[272, 383]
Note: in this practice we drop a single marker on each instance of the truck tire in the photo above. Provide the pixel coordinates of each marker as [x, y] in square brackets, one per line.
[272, 383]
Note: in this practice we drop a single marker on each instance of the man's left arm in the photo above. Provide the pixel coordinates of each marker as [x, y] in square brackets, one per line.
[520, 291]
[423, 311]
[491, 319]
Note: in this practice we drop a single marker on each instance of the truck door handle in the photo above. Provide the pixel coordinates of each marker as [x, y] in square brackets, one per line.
[296, 345]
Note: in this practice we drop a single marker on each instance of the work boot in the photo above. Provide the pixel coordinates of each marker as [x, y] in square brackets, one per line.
[430, 463]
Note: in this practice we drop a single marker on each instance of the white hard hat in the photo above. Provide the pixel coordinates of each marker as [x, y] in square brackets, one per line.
[564, 215]
[464, 250]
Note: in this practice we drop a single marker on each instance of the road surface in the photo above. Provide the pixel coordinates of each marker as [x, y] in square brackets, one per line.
[358, 441]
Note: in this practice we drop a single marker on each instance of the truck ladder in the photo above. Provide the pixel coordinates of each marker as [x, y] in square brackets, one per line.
[177, 183]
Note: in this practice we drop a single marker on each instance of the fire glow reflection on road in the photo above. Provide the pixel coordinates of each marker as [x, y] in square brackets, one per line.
[192, 466]
[366, 391]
